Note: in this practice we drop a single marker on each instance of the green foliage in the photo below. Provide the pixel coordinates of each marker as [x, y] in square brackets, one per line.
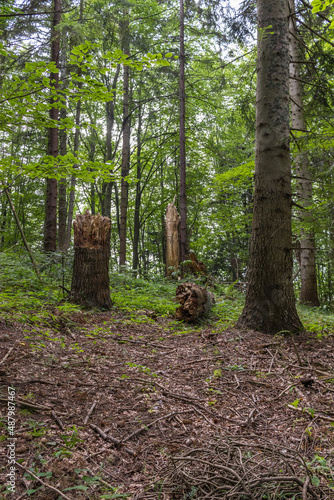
[130, 294]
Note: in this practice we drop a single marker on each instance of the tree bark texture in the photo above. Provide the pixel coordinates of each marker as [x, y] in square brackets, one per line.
[195, 301]
[172, 225]
[136, 222]
[183, 184]
[110, 115]
[125, 168]
[50, 226]
[90, 280]
[270, 302]
[308, 270]
[62, 185]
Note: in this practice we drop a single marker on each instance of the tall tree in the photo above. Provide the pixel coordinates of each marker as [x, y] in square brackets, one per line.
[270, 302]
[308, 270]
[183, 191]
[125, 166]
[50, 228]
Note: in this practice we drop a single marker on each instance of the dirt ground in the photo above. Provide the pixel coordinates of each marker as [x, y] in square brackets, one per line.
[109, 406]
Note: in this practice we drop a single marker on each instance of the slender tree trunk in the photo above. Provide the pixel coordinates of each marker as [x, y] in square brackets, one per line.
[110, 114]
[270, 302]
[91, 156]
[126, 147]
[308, 270]
[73, 177]
[183, 197]
[50, 227]
[62, 186]
[76, 152]
[136, 225]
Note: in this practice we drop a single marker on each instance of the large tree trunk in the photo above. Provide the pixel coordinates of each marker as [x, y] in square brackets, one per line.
[270, 302]
[50, 226]
[172, 224]
[90, 280]
[126, 147]
[195, 301]
[308, 270]
[183, 185]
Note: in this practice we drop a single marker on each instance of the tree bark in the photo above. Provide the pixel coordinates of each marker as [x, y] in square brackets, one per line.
[50, 226]
[62, 186]
[136, 222]
[183, 185]
[308, 270]
[125, 168]
[110, 114]
[75, 152]
[172, 224]
[195, 301]
[270, 302]
[90, 280]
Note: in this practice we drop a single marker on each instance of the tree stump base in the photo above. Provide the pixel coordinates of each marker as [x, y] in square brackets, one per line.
[90, 280]
[195, 301]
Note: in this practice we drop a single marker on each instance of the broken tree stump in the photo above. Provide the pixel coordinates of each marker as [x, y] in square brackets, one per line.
[90, 279]
[172, 223]
[195, 301]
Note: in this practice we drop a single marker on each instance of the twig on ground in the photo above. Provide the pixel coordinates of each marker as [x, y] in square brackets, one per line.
[296, 351]
[113, 440]
[146, 427]
[29, 405]
[90, 412]
[53, 413]
[42, 482]
[6, 356]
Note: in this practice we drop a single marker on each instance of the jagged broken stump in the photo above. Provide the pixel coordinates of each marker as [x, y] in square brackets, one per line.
[195, 301]
[90, 280]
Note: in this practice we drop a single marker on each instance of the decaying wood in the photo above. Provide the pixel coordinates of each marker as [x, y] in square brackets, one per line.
[196, 266]
[195, 301]
[91, 231]
[90, 281]
[172, 223]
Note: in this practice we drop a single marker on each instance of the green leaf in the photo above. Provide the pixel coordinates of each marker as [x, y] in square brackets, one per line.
[315, 481]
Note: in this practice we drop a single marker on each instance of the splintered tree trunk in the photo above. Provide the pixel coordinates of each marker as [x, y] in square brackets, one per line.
[195, 301]
[90, 280]
[308, 269]
[172, 223]
[270, 302]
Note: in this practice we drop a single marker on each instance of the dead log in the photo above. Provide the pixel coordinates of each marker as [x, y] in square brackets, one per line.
[90, 279]
[172, 223]
[195, 301]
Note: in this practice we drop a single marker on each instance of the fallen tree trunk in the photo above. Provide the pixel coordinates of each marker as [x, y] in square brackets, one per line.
[90, 280]
[195, 301]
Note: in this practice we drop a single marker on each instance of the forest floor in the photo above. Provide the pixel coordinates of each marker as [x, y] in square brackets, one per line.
[134, 405]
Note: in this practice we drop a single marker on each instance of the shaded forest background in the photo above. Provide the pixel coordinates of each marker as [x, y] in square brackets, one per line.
[101, 46]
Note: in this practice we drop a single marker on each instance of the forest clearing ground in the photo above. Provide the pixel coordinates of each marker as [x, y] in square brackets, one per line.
[195, 409]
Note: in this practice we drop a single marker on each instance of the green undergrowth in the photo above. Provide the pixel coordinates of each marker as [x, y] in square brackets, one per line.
[131, 294]
[24, 297]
